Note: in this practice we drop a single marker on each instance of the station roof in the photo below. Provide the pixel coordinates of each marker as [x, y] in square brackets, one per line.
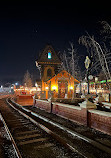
[43, 58]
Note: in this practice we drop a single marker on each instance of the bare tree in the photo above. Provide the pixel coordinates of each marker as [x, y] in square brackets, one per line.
[70, 63]
[74, 62]
[106, 29]
[101, 76]
[96, 52]
[39, 68]
[100, 51]
[72, 51]
[64, 59]
[27, 79]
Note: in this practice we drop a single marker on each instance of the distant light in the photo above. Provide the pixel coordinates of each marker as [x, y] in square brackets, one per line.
[47, 88]
[1, 86]
[96, 79]
[38, 89]
[84, 83]
[36, 84]
[102, 81]
[91, 82]
[16, 83]
[71, 87]
[49, 55]
[90, 77]
[54, 88]
[108, 80]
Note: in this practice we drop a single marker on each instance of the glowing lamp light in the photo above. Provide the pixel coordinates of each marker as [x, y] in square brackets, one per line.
[36, 84]
[71, 87]
[16, 83]
[39, 89]
[96, 79]
[46, 88]
[54, 88]
[49, 55]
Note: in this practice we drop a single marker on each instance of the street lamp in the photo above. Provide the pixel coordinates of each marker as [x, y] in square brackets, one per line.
[36, 85]
[96, 80]
[87, 63]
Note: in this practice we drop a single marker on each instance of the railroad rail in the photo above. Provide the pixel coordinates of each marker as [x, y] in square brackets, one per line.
[28, 136]
[26, 132]
[10, 137]
[96, 145]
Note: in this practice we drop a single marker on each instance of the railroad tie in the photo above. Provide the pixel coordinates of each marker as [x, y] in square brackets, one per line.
[16, 128]
[19, 125]
[33, 141]
[25, 123]
[16, 124]
[28, 136]
[26, 132]
[46, 145]
[14, 121]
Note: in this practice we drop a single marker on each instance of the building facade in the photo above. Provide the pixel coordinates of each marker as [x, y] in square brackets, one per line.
[55, 82]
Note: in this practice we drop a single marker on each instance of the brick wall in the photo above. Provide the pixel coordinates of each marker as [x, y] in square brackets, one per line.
[92, 118]
[43, 104]
[100, 120]
[71, 112]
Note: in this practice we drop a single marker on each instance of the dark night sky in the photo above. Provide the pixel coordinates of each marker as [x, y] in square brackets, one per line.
[25, 29]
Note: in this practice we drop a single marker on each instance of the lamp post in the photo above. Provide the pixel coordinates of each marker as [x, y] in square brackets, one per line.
[96, 80]
[36, 85]
[87, 63]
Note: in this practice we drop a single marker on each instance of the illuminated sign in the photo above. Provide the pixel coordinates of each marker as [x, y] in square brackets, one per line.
[49, 55]
[91, 82]
[108, 80]
[103, 81]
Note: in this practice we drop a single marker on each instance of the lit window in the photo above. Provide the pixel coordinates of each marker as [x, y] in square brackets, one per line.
[49, 55]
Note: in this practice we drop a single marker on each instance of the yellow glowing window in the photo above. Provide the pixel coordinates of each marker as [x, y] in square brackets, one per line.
[49, 55]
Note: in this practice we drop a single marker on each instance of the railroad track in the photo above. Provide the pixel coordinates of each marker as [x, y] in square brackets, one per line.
[82, 144]
[75, 144]
[33, 139]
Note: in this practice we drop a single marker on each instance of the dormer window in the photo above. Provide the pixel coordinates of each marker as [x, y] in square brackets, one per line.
[49, 55]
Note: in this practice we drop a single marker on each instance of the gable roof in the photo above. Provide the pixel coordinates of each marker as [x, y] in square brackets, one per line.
[61, 73]
[43, 58]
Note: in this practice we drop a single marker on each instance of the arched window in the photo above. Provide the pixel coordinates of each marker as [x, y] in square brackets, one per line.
[49, 73]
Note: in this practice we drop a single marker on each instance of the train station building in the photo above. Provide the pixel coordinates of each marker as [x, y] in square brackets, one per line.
[55, 82]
